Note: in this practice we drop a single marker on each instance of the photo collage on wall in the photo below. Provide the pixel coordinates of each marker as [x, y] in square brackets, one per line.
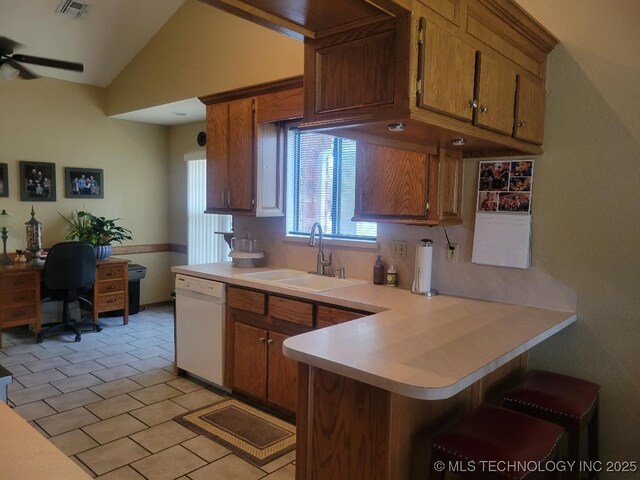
[505, 186]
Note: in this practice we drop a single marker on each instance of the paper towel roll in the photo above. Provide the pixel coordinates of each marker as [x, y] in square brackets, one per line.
[422, 275]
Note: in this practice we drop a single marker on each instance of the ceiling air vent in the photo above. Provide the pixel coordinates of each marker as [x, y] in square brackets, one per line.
[73, 9]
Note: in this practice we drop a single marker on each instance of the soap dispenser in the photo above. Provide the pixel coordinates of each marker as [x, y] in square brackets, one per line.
[378, 271]
[392, 276]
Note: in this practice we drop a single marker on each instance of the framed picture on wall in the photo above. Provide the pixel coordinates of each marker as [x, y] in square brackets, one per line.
[4, 180]
[37, 182]
[83, 182]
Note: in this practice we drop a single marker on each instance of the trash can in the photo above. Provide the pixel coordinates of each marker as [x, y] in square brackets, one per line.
[136, 273]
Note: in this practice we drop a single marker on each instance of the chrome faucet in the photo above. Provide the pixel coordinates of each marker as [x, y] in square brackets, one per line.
[321, 263]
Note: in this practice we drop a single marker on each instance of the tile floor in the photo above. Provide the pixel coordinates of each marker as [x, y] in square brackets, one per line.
[108, 402]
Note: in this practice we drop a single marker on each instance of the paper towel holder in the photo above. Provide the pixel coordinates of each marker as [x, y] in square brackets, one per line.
[425, 242]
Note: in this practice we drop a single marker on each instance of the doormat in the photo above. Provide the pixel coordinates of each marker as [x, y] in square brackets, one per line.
[251, 434]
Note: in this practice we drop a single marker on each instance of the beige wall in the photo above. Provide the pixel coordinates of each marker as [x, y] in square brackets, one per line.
[62, 122]
[202, 50]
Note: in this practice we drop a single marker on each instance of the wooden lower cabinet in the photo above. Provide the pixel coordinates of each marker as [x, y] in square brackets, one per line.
[282, 384]
[111, 289]
[350, 430]
[250, 360]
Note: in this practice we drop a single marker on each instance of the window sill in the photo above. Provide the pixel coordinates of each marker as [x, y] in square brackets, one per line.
[332, 242]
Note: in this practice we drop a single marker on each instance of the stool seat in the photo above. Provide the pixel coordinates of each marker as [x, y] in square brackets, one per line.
[555, 393]
[493, 433]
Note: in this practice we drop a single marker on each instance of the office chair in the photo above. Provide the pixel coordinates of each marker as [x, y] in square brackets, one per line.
[69, 271]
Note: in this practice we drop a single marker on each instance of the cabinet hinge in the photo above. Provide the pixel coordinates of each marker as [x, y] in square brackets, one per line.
[418, 86]
[420, 40]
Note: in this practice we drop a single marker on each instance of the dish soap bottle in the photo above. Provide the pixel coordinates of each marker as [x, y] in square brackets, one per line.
[378, 271]
[392, 276]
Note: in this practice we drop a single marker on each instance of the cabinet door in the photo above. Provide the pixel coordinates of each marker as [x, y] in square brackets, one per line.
[445, 184]
[530, 103]
[447, 67]
[496, 94]
[240, 178]
[390, 182]
[217, 154]
[283, 374]
[250, 360]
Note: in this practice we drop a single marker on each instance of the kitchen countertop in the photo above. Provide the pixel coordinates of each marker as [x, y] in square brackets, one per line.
[27, 454]
[428, 348]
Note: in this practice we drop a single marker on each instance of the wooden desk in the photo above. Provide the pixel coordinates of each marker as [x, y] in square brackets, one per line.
[20, 292]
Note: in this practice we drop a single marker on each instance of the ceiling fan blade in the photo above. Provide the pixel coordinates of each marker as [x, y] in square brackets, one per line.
[49, 62]
[7, 46]
[25, 73]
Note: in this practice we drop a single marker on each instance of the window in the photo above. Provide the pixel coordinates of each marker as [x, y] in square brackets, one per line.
[321, 177]
[204, 246]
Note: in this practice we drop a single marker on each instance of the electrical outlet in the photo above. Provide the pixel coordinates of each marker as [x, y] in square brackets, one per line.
[399, 249]
[452, 253]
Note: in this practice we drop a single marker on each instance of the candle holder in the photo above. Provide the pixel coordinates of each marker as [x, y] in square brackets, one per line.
[6, 222]
[34, 238]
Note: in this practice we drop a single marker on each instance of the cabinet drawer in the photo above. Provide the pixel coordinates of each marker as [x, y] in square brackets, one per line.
[18, 298]
[246, 300]
[291, 310]
[111, 302]
[110, 272]
[18, 281]
[328, 316]
[110, 286]
[18, 314]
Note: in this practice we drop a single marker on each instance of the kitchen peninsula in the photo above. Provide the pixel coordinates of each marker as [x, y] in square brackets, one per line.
[372, 391]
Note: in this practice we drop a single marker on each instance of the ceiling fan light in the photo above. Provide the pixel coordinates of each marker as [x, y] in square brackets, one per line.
[8, 72]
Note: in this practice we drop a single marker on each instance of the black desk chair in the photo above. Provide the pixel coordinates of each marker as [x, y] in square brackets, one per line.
[69, 271]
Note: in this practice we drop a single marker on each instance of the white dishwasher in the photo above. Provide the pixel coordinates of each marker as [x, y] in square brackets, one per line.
[200, 327]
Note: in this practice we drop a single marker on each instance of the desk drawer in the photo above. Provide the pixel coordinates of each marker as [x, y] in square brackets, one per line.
[18, 298]
[246, 300]
[113, 301]
[17, 315]
[18, 281]
[110, 272]
[110, 286]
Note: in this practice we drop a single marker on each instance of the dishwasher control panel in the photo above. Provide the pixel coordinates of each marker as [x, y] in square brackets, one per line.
[200, 285]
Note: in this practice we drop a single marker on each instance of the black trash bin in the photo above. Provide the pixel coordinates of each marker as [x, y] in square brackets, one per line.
[136, 273]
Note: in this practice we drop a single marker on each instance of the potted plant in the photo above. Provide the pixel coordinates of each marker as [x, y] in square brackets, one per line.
[98, 231]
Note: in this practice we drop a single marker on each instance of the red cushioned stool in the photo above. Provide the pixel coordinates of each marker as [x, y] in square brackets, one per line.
[567, 401]
[495, 442]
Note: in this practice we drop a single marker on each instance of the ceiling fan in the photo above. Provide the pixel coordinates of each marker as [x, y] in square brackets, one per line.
[15, 60]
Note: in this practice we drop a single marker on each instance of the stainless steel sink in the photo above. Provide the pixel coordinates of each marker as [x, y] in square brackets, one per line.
[299, 280]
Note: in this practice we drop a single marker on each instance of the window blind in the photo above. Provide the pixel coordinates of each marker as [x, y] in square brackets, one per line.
[204, 246]
[321, 186]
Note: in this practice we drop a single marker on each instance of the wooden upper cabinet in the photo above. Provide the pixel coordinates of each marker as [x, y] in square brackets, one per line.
[401, 186]
[217, 155]
[230, 156]
[530, 103]
[447, 67]
[390, 182]
[363, 71]
[496, 95]
[245, 147]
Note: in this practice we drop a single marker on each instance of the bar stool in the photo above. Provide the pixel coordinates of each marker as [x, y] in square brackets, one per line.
[495, 442]
[567, 401]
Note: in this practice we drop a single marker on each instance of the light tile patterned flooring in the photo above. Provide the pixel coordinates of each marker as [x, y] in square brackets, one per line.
[108, 402]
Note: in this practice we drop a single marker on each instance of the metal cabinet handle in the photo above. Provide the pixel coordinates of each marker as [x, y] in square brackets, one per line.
[112, 300]
[262, 339]
[472, 104]
[522, 124]
[112, 287]
[229, 198]
[19, 314]
[484, 109]
[270, 341]
[111, 274]
[18, 299]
